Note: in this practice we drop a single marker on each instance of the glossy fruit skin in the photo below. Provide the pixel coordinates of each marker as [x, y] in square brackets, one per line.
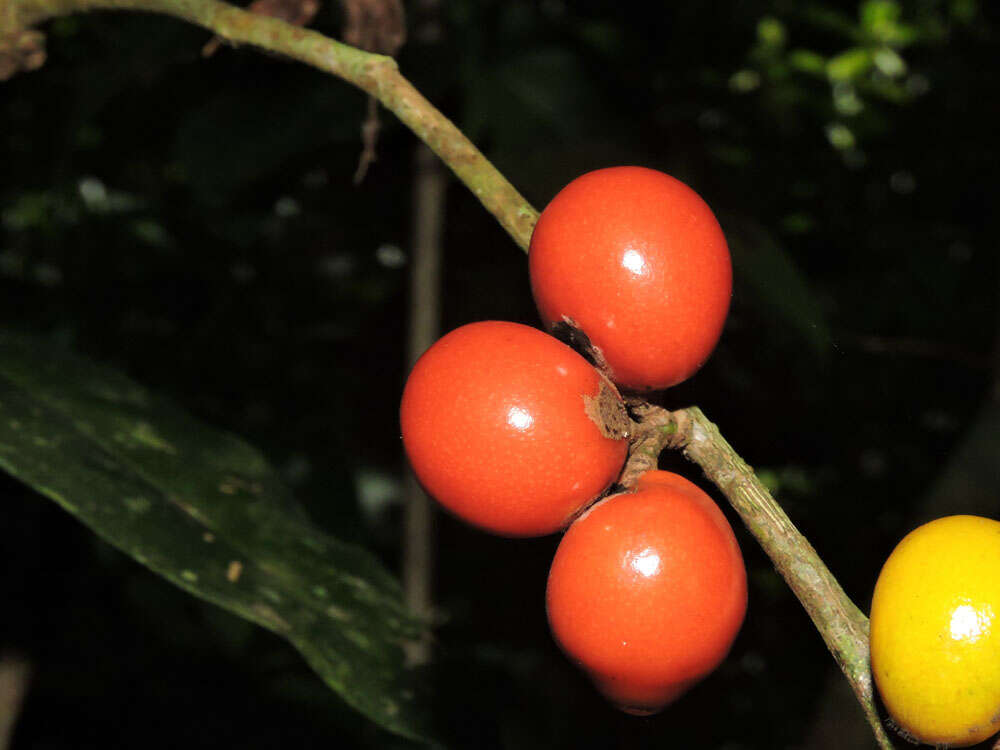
[935, 631]
[496, 427]
[638, 262]
[647, 591]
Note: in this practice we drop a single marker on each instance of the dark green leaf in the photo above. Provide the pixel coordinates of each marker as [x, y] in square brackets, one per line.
[547, 88]
[206, 511]
[243, 135]
[764, 266]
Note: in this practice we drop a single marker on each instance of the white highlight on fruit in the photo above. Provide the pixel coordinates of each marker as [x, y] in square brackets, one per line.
[969, 623]
[519, 418]
[633, 261]
[646, 563]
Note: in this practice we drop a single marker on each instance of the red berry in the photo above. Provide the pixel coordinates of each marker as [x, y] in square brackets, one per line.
[636, 260]
[510, 429]
[647, 591]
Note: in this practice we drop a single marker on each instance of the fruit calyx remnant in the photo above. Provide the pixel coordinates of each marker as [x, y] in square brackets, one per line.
[607, 411]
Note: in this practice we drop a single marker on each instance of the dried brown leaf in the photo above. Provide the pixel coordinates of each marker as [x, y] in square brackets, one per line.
[375, 25]
[295, 12]
[21, 50]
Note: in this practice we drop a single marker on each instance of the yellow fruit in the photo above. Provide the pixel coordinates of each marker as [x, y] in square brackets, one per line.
[935, 635]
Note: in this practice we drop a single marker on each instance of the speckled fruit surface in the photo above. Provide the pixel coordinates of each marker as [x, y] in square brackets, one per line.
[637, 261]
[647, 591]
[500, 423]
[935, 635]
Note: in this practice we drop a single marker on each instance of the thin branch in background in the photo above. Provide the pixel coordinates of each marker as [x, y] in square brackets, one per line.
[915, 347]
[425, 313]
[995, 358]
[15, 675]
[375, 26]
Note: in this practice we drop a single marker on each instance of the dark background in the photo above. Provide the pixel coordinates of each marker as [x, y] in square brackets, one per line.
[194, 223]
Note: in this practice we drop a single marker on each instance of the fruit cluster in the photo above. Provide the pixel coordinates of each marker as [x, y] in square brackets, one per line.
[518, 434]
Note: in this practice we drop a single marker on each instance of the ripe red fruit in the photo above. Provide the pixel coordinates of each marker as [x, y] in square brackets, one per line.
[647, 591]
[510, 429]
[636, 260]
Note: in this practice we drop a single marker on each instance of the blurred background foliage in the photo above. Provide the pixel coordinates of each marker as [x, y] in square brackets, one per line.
[194, 223]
